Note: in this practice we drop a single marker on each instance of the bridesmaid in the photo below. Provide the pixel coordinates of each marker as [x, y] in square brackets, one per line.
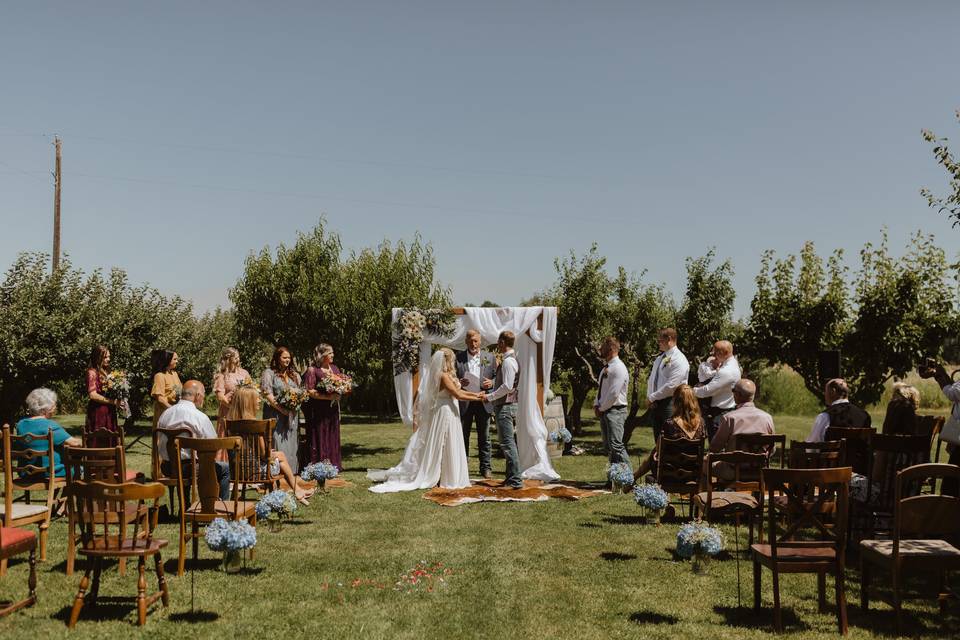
[323, 410]
[225, 382]
[278, 376]
[101, 411]
[166, 383]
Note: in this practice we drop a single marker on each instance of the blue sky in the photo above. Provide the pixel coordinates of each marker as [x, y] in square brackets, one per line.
[505, 133]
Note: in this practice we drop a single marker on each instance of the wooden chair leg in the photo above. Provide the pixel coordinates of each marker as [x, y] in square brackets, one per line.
[756, 585]
[195, 541]
[78, 601]
[141, 592]
[841, 601]
[181, 560]
[777, 616]
[95, 588]
[864, 585]
[822, 591]
[161, 580]
[44, 526]
[32, 580]
[71, 542]
[3, 567]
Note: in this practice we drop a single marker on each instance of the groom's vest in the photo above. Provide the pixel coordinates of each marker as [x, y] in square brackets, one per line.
[510, 398]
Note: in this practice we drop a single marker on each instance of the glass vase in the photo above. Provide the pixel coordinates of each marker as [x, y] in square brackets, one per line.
[322, 485]
[652, 516]
[275, 524]
[699, 563]
[232, 561]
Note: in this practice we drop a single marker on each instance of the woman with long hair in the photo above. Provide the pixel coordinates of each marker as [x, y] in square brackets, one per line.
[279, 377]
[101, 410]
[687, 422]
[225, 381]
[322, 410]
[244, 405]
[166, 383]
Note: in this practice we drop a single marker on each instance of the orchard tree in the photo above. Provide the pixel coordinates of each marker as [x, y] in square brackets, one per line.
[706, 314]
[949, 204]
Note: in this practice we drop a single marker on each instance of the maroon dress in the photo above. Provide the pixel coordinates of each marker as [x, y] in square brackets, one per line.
[323, 422]
[99, 415]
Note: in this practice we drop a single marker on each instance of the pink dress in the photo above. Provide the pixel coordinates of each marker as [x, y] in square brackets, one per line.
[224, 384]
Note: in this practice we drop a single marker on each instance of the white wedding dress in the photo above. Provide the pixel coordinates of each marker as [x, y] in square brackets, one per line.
[435, 452]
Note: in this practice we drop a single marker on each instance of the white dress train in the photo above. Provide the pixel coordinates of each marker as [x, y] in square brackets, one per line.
[434, 454]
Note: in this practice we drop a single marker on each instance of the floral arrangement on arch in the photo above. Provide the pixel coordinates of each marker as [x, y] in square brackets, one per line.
[233, 535]
[698, 539]
[276, 505]
[409, 329]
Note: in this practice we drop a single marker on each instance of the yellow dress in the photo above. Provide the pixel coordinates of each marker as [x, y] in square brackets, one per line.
[167, 385]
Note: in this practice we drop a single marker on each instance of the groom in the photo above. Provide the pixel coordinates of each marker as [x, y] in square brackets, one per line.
[476, 370]
[504, 400]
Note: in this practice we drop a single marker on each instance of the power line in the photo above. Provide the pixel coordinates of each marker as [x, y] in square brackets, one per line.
[21, 171]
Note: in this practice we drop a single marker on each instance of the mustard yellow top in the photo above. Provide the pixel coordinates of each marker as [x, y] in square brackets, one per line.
[166, 385]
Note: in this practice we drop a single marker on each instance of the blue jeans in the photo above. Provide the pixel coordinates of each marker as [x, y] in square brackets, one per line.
[611, 428]
[506, 424]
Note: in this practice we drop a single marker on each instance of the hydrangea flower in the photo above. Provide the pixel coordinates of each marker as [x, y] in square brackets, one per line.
[233, 535]
[620, 473]
[319, 471]
[276, 504]
[696, 537]
[560, 435]
[651, 496]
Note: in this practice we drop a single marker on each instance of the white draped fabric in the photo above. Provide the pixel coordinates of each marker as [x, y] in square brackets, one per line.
[522, 321]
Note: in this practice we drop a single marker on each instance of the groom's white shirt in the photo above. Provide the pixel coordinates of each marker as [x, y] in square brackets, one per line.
[509, 366]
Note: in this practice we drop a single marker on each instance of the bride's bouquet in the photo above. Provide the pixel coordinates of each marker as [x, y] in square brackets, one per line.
[330, 382]
[291, 398]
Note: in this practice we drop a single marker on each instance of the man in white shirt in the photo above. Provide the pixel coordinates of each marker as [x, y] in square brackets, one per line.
[187, 414]
[504, 401]
[476, 370]
[611, 403]
[840, 412]
[718, 375]
[670, 370]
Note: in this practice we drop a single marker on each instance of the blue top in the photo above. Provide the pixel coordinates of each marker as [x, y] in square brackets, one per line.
[40, 427]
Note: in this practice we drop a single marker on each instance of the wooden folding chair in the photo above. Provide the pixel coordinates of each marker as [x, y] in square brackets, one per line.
[856, 448]
[890, 454]
[773, 445]
[810, 495]
[739, 496]
[816, 455]
[254, 457]
[158, 475]
[102, 507]
[104, 438]
[206, 490]
[679, 465]
[13, 542]
[24, 470]
[921, 522]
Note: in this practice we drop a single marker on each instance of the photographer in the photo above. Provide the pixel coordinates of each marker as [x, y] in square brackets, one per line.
[933, 369]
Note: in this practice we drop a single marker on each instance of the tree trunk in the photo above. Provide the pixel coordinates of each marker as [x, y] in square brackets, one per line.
[578, 396]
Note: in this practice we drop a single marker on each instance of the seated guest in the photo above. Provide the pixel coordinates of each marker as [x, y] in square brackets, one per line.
[840, 412]
[901, 417]
[187, 414]
[41, 407]
[244, 406]
[685, 422]
[746, 418]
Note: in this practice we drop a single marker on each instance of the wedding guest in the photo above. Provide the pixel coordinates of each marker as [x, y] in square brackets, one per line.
[504, 401]
[745, 418]
[611, 402]
[225, 381]
[840, 412]
[166, 383]
[41, 407]
[669, 371]
[244, 405]
[685, 422]
[901, 416]
[476, 370]
[280, 376]
[951, 389]
[718, 374]
[101, 410]
[322, 410]
[188, 413]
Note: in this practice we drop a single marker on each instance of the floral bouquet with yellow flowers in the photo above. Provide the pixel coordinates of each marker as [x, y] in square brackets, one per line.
[291, 398]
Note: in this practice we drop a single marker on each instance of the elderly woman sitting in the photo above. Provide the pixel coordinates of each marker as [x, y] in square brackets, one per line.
[41, 407]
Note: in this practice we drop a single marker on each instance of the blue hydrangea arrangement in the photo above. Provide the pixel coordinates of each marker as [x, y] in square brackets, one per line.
[620, 473]
[319, 471]
[651, 496]
[696, 538]
[276, 505]
[560, 435]
[233, 535]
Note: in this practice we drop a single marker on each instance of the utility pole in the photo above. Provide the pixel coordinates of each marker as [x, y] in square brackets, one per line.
[56, 207]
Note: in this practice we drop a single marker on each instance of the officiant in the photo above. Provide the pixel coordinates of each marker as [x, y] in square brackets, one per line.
[476, 370]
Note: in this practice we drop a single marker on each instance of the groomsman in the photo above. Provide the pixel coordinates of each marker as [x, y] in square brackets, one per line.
[611, 403]
[476, 370]
[718, 375]
[669, 371]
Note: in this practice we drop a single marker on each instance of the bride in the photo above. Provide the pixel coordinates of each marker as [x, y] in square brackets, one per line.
[435, 452]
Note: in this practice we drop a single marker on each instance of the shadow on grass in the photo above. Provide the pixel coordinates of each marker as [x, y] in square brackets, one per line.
[616, 556]
[745, 617]
[652, 617]
[723, 556]
[589, 525]
[106, 608]
[194, 617]
[352, 450]
[618, 519]
[205, 565]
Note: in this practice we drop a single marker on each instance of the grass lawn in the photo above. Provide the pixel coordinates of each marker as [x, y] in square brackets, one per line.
[583, 569]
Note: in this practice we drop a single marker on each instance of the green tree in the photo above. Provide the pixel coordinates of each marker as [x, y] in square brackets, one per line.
[706, 314]
[949, 204]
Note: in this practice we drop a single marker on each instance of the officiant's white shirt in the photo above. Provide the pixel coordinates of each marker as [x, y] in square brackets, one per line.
[475, 369]
[668, 372]
[612, 385]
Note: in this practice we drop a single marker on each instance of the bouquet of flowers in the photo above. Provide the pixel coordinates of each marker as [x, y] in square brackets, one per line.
[291, 398]
[698, 539]
[560, 435]
[276, 505]
[620, 476]
[319, 471]
[233, 535]
[116, 385]
[651, 496]
[330, 382]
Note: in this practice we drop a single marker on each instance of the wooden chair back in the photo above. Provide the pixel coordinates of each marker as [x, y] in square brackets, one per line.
[168, 441]
[102, 506]
[816, 503]
[679, 464]
[747, 470]
[856, 448]
[927, 515]
[89, 464]
[203, 457]
[253, 459]
[100, 438]
[772, 445]
[816, 455]
[892, 454]
[27, 464]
